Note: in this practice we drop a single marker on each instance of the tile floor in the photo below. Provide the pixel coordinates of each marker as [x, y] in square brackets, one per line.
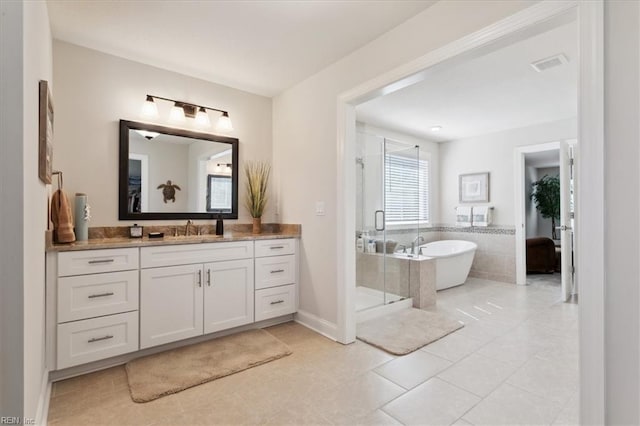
[515, 362]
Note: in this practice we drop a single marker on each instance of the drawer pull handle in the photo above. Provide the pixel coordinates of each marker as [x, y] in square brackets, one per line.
[276, 247]
[93, 262]
[97, 339]
[277, 301]
[93, 296]
[209, 277]
[277, 271]
[200, 278]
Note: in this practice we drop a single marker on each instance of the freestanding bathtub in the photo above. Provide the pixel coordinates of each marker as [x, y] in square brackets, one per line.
[453, 261]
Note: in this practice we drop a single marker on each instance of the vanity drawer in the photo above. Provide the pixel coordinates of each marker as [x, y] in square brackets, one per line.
[275, 247]
[89, 340]
[97, 261]
[275, 271]
[88, 296]
[276, 301]
[185, 254]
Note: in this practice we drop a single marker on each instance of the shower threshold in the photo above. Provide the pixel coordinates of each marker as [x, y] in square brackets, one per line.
[370, 303]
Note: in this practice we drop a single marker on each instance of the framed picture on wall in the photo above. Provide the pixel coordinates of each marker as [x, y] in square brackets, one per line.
[474, 187]
[45, 142]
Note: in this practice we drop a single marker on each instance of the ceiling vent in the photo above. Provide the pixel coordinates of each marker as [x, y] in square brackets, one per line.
[551, 62]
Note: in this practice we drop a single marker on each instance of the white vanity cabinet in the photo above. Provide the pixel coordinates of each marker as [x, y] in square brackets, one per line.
[276, 276]
[178, 302]
[97, 304]
[170, 304]
[103, 303]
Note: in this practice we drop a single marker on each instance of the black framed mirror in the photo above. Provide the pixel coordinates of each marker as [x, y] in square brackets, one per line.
[168, 173]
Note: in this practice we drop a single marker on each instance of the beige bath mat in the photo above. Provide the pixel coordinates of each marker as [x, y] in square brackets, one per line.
[405, 331]
[161, 374]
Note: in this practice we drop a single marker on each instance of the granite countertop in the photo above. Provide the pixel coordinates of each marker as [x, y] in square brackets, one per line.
[112, 237]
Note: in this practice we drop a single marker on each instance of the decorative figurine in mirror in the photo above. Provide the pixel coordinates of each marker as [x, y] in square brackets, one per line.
[169, 191]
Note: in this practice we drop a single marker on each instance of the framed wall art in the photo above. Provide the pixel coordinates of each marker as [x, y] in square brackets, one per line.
[474, 187]
[45, 141]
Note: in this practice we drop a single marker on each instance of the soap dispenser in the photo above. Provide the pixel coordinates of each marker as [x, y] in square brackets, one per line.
[219, 226]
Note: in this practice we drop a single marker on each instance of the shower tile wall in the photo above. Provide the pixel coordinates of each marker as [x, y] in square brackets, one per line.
[370, 273]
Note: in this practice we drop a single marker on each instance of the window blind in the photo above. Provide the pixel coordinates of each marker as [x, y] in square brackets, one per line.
[406, 189]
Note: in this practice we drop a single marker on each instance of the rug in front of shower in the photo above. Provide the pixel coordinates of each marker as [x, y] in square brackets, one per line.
[405, 331]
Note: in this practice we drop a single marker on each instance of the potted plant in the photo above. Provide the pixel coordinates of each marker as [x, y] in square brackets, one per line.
[257, 174]
[545, 193]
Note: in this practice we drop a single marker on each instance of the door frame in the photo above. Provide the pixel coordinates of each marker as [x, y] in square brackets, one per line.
[590, 204]
[520, 203]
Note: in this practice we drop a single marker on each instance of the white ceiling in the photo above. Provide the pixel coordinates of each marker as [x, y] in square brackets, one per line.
[261, 47]
[491, 93]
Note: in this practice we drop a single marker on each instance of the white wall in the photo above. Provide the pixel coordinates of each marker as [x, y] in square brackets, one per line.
[26, 59]
[305, 133]
[493, 153]
[37, 66]
[11, 221]
[622, 230]
[95, 90]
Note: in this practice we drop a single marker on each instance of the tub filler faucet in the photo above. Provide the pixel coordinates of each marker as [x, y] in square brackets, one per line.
[419, 239]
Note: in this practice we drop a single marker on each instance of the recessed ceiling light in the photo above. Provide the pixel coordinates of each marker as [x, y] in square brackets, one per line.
[436, 128]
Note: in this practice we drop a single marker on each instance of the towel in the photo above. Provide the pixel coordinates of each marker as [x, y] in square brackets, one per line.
[62, 218]
[481, 215]
[463, 216]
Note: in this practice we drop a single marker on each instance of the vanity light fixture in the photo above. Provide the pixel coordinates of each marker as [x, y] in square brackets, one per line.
[180, 110]
[202, 118]
[177, 114]
[149, 108]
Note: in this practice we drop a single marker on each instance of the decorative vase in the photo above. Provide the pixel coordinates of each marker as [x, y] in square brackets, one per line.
[257, 225]
[82, 216]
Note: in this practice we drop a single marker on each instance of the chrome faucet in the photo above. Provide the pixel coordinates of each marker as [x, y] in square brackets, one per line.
[186, 228]
[418, 240]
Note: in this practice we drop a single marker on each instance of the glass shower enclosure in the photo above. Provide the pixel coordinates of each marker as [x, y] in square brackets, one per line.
[387, 226]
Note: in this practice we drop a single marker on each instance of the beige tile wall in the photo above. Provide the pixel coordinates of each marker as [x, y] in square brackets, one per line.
[495, 257]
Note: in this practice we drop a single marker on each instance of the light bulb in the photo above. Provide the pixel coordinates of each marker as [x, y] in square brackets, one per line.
[177, 114]
[202, 118]
[224, 123]
[149, 108]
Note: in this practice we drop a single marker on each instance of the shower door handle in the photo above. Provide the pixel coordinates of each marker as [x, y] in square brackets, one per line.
[379, 228]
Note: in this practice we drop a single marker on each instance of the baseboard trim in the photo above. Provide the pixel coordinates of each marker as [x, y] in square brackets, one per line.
[317, 324]
[43, 401]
